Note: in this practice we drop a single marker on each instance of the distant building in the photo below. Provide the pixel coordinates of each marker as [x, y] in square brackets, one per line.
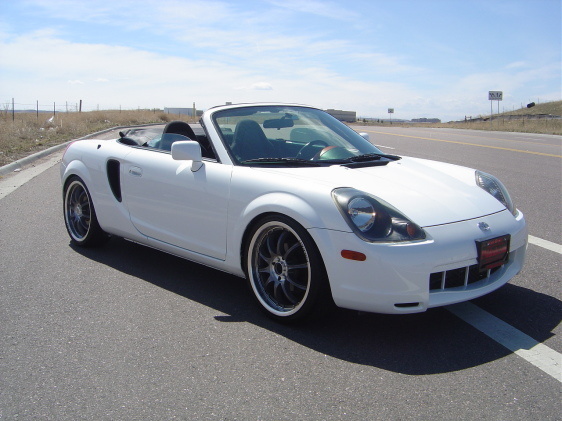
[183, 111]
[179, 111]
[425, 120]
[348, 116]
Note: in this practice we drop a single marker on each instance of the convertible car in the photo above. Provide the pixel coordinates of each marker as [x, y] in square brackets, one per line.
[304, 207]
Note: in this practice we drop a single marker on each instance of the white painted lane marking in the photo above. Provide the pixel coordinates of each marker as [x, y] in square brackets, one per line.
[516, 341]
[549, 245]
[13, 182]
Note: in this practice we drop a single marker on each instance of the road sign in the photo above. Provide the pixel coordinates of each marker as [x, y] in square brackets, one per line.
[390, 110]
[495, 95]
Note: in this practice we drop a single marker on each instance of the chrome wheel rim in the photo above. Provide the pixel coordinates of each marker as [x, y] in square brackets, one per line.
[77, 211]
[280, 269]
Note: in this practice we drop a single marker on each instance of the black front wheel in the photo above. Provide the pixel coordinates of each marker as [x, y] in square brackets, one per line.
[80, 216]
[284, 268]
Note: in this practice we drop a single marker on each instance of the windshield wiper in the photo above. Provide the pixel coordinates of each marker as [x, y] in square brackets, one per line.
[365, 160]
[284, 161]
[369, 157]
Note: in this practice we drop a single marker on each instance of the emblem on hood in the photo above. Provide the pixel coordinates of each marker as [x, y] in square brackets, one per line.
[483, 226]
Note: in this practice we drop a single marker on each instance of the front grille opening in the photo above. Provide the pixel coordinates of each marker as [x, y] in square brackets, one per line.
[440, 281]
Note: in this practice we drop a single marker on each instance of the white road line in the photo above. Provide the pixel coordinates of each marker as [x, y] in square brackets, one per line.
[549, 245]
[521, 344]
[13, 182]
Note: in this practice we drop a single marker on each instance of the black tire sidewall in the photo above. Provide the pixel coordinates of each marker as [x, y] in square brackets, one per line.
[95, 235]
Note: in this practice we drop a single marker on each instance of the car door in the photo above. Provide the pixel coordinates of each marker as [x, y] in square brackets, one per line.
[172, 204]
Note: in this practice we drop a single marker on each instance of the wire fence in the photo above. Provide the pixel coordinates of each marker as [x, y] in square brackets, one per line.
[13, 108]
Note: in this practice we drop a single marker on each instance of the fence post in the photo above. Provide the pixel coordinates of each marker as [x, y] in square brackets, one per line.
[13, 112]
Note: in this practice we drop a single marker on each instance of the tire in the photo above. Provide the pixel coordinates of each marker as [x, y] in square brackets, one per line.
[284, 269]
[80, 216]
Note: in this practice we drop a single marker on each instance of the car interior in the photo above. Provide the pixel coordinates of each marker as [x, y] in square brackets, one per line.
[174, 131]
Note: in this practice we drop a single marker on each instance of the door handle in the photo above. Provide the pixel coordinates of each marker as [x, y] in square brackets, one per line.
[136, 171]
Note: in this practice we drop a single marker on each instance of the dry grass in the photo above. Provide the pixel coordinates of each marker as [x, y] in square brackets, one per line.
[502, 122]
[527, 123]
[552, 108]
[524, 125]
[27, 133]
[543, 126]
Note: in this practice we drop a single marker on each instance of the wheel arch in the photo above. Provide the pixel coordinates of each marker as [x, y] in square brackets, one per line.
[290, 205]
[243, 249]
[246, 236]
[76, 168]
[283, 204]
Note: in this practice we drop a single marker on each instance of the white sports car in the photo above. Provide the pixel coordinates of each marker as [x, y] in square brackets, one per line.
[305, 208]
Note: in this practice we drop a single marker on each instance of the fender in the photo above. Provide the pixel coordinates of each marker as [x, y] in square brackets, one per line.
[113, 216]
[290, 205]
[76, 167]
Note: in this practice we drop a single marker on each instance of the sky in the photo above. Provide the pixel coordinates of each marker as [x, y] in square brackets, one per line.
[430, 58]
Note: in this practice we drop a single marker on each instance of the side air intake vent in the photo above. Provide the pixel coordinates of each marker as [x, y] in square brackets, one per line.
[114, 177]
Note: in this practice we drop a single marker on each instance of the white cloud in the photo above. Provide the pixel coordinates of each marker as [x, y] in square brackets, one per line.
[211, 52]
[262, 86]
[146, 79]
[329, 9]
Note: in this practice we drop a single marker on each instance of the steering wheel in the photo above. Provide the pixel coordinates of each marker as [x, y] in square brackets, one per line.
[317, 156]
[309, 150]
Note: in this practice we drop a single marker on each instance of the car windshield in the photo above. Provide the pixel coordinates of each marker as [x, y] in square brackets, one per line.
[290, 135]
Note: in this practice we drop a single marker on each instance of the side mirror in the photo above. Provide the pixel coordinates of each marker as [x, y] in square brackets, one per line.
[364, 135]
[188, 151]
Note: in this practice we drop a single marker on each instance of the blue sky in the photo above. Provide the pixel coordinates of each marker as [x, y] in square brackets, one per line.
[430, 58]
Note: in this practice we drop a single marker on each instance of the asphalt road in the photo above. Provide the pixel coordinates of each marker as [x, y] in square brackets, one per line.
[125, 332]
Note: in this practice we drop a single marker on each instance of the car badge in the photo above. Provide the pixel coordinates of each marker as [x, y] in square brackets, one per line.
[483, 226]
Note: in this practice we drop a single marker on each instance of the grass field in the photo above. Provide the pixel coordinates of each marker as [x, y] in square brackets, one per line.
[28, 133]
[545, 126]
[525, 121]
[22, 134]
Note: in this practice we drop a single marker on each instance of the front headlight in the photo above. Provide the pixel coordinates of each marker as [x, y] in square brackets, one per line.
[374, 220]
[495, 187]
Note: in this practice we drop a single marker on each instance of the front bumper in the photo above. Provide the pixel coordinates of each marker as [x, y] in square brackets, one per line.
[395, 277]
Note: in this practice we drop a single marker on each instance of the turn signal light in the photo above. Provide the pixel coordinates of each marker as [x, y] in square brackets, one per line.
[353, 255]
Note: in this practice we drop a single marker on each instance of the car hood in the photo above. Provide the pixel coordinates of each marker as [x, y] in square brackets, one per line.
[428, 192]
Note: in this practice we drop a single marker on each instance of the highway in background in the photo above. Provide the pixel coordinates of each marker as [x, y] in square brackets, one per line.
[126, 332]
